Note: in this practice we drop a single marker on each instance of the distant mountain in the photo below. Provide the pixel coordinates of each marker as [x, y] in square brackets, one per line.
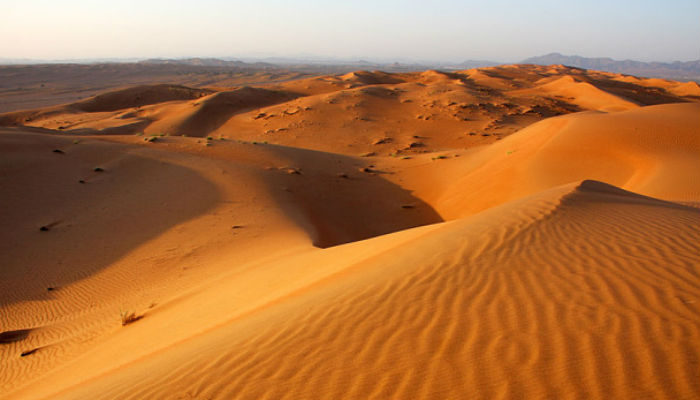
[683, 71]
[469, 64]
[201, 62]
[13, 61]
[329, 66]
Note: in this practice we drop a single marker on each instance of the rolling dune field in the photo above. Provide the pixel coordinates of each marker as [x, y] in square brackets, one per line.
[512, 232]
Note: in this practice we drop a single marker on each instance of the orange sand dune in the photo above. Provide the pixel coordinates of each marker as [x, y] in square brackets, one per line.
[361, 112]
[584, 95]
[134, 97]
[507, 232]
[690, 89]
[488, 306]
[651, 150]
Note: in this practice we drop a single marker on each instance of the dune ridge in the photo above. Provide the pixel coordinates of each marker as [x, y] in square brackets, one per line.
[393, 327]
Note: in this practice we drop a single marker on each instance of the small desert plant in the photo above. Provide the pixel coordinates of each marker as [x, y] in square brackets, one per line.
[128, 317]
[151, 139]
[98, 169]
[439, 157]
[76, 141]
[210, 138]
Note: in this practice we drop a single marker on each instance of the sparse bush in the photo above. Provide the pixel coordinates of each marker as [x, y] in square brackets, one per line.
[128, 317]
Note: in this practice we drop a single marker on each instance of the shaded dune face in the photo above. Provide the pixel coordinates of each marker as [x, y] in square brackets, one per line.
[507, 232]
[337, 199]
[138, 97]
[91, 217]
[220, 107]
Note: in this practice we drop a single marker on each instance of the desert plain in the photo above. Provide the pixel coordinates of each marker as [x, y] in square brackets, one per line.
[511, 232]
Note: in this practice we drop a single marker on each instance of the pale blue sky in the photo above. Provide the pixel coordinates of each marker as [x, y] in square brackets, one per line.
[385, 30]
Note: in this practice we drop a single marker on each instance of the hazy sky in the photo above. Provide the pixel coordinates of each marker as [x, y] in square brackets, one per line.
[386, 30]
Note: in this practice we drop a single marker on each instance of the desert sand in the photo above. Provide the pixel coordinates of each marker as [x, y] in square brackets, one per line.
[508, 232]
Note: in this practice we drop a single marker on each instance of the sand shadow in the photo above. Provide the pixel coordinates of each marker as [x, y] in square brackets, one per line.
[14, 336]
[336, 202]
[103, 215]
[218, 108]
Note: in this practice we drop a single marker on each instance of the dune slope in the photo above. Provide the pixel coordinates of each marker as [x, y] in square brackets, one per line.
[487, 307]
[652, 150]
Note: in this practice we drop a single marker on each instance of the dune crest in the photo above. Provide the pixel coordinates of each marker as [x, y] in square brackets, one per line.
[586, 95]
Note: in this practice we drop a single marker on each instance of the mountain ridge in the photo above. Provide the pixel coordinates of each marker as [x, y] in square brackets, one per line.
[678, 70]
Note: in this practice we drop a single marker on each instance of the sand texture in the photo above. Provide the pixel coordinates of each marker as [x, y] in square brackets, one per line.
[515, 232]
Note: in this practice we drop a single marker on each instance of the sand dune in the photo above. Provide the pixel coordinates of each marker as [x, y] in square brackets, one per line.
[641, 150]
[370, 78]
[138, 97]
[348, 114]
[461, 308]
[210, 113]
[584, 95]
[507, 232]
